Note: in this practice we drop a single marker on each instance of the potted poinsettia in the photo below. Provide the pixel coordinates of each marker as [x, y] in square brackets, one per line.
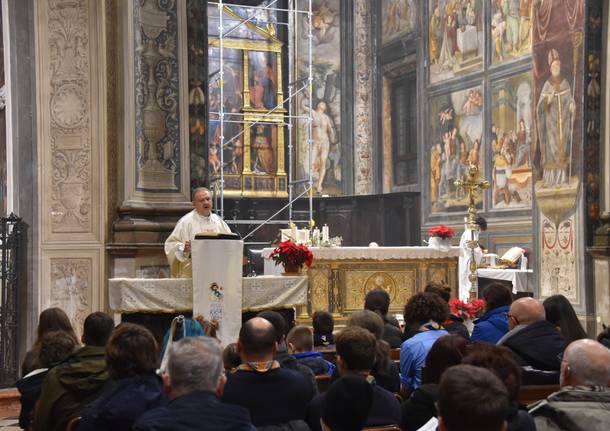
[292, 256]
[440, 237]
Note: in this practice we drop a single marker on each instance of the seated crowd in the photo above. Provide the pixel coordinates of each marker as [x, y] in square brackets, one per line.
[271, 378]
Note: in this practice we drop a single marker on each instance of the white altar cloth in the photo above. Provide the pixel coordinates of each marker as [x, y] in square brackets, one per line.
[371, 253]
[169, 295]
[522, 280]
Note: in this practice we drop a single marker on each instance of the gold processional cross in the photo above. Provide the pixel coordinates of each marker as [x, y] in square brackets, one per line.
[472, 184]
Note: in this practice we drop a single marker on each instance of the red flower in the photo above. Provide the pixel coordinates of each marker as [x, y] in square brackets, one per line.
[441, 231]
[469, 310]
[290, 253]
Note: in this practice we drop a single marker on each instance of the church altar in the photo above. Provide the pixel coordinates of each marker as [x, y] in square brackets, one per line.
[173, 295]
[340, 277]
[522, 280]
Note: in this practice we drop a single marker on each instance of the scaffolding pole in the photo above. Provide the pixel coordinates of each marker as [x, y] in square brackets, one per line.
[294, 90]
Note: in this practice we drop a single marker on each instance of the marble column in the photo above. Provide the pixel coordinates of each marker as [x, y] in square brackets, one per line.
[363, 103]
[71, 122]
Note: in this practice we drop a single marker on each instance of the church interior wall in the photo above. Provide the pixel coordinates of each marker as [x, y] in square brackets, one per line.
[100, 212]
[474, 79]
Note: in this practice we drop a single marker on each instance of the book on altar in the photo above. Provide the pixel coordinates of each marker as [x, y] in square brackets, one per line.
[512, 256]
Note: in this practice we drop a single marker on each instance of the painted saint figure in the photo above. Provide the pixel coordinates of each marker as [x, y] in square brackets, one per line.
[323, 136]
[555, 114]
[264, 160]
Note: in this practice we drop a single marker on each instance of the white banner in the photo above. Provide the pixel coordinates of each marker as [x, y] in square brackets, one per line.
[217, 284]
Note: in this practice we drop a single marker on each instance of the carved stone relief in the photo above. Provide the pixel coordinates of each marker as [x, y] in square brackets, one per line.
[363, 105]
[70, 288]
[156, 95]
[69, 101]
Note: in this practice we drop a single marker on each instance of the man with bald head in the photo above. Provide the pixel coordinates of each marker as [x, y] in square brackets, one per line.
[583, 403]
[199, 220]
[534, 340]
[273, 395]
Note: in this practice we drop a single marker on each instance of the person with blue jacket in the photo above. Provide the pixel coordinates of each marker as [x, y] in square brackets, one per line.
[494, 323]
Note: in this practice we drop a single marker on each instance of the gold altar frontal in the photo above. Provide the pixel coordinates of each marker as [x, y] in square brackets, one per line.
[339, 284]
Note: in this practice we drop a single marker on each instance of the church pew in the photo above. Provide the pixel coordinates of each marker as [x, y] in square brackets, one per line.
[533, 393]
[395, 354]
[329, 353]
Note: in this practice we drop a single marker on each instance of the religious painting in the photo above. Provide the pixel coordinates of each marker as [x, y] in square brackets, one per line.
[263, 149]
[324, 103]
[456, 38]
[231, 158]
[456, 125]
[262, 80]
[398, 17]
[558, 60]
[510, 142]
[511, 29]
[242, 22]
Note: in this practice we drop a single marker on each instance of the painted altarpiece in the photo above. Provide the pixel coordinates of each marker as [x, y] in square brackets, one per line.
[253, 154]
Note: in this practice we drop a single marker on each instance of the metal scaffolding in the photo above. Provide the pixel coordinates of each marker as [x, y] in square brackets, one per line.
[296, 87]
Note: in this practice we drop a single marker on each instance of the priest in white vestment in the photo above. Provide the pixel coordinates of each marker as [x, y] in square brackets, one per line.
[466, 256]
[200, 220]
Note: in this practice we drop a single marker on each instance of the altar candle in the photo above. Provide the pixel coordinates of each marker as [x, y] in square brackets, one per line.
[325, 235]
[315, 236]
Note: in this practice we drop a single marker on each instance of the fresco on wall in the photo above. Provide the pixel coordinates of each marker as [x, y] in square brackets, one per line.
[232, 22]
[398, 18]
[511, 29]
[325, 102]
[456, 38]
[557, 67]
[456, 131]
[197, 73]
[510, 142]
[233, 103]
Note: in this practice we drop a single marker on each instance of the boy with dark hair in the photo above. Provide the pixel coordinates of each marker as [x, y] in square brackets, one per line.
[356, 348]
[378, 301]
[454, 324]
[472, 399]
[323, 325]
[300, 346]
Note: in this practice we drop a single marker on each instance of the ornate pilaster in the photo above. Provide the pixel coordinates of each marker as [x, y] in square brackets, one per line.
[70, 62]
[363, 105]
[155, 131]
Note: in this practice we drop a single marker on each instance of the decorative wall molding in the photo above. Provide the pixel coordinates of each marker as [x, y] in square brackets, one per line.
[155, 124]
[363, 106]
[71, 101]
[605, 136]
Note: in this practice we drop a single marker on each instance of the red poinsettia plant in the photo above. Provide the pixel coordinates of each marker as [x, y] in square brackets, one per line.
[290, 254]
[441, 231]
[467, 310]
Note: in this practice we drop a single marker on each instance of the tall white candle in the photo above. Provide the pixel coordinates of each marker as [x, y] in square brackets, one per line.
[293, 233]
[325, 234]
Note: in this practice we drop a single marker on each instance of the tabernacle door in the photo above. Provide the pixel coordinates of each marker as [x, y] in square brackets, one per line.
[217, 282]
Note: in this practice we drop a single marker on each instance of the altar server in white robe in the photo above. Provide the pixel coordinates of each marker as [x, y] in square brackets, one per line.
[200, 220]
[466, 255]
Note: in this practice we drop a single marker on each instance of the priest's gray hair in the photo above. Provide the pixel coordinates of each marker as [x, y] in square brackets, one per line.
[197, 190]
[195, 364]
[589, 363]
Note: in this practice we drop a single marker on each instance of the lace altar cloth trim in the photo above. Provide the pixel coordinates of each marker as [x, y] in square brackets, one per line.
[167, 295]
[376, 253]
